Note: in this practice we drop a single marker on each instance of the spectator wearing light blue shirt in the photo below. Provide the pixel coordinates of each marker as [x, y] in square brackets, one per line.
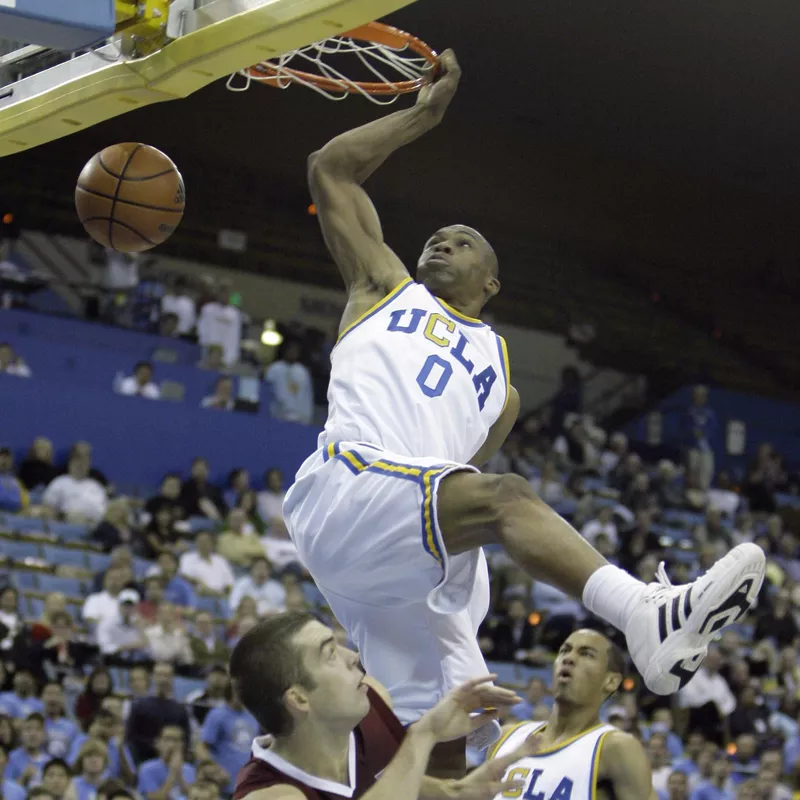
[167, 777]
[10, 790]
[60, 731]
[227, 736]
[719, 787]
[26, 762]
[107, 729]
[91, 768]
[177, 590]
[700, 432]
[22, 702]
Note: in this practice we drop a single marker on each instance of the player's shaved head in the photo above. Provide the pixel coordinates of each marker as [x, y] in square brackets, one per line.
[490, 257]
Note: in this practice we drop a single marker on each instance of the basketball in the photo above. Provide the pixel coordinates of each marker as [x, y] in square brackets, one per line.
[130, 197]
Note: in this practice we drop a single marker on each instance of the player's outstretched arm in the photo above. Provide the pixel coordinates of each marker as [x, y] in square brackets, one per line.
[347, 217]
[453, 717]
[625, 765]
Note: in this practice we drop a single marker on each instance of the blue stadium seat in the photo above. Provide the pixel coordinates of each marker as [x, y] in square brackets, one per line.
[140, 567]
[98, 562]
[23, 524]
[677, 518]
[35, 607]
[784, 500]
[197, 524]
[20, 550]
[507, 672]
[67, 532]
[566, 507]
[184, 686]
[25, 580]
[209, 604]
[313, 595]
[594, 484]
[64, 555]
[120, 677]
[73, 587]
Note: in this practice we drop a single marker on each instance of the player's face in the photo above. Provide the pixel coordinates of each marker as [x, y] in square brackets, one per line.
[580, 674]
[339, 697]
[457, 264]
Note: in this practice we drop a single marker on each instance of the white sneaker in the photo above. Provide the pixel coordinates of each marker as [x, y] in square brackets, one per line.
[669, 632]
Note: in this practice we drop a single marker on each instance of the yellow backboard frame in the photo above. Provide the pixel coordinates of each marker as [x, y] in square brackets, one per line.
[222, 37]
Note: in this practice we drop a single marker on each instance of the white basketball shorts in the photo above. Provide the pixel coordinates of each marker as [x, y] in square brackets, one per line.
[365, 525]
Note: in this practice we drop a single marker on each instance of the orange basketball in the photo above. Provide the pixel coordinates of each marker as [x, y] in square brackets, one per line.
[130, 197]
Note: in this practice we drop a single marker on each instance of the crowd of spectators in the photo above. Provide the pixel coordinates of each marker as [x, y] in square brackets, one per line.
[88, 699]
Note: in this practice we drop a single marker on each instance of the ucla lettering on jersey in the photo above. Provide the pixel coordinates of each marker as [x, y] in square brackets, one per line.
[415, 376]
[565, 772]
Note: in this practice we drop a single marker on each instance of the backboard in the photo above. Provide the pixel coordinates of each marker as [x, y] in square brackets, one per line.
[161, 50]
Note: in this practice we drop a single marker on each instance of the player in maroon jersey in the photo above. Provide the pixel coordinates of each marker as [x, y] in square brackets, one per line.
[331, 732]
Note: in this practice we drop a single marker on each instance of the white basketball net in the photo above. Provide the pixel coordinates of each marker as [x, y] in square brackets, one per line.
[388, 65]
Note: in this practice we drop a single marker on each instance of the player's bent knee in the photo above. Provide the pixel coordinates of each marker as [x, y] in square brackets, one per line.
[476, 509]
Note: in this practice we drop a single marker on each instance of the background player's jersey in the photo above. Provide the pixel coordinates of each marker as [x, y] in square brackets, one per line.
[566, 772]
[416, 377]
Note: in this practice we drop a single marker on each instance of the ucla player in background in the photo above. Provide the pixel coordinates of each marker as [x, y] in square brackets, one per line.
[390, 513]
[574, 756]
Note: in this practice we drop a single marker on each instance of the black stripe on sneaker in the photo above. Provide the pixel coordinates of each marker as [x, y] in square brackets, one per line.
[687, 603]
[676, 607]
[662, 621]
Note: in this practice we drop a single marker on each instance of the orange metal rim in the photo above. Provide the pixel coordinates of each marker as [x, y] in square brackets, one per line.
[376, 32]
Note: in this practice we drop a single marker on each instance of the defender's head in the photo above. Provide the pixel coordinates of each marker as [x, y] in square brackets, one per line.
[589, 668]
[289, 669]
[459, 266]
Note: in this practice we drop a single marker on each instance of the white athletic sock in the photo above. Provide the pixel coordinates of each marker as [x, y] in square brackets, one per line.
[612, 594]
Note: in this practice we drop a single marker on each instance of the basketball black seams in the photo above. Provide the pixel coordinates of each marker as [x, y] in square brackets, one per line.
[121, 224]
[120, 178]
[130, 202]
[142, 178]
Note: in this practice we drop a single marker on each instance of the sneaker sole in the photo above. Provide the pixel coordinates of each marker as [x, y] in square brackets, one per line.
[729, 596]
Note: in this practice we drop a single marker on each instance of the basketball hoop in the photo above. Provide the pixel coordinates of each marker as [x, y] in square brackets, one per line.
[401, 62]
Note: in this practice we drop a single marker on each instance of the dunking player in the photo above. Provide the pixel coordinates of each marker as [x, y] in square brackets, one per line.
[573, 755]
[390, 513]
[331, 732]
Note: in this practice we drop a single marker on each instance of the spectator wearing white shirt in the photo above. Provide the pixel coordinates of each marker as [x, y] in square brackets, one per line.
[102, 606]
[141, 382]
[617, 449]
[168, 641]
[269, 595]
[270, 500]
[177, 301]
[210, 573]
[603, 524]
[708, 697]
[75, 495]
[12, 364]
[222, 399]
[220, 323]
[122, 636]
[280, 549]
[292, 389]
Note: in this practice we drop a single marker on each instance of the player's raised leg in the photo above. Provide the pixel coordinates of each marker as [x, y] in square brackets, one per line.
[668, 628]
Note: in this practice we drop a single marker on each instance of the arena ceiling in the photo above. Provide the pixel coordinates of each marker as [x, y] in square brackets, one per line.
[655, 142]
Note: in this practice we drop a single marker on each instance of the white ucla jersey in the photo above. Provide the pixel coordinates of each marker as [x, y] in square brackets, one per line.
[416, 377]
[565, 772]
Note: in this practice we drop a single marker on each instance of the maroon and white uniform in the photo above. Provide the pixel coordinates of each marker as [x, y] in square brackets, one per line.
[372, 746]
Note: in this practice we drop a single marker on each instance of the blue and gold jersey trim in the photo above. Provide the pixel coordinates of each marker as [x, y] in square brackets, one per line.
[503, 350]
[457, 315]
[507, 734]
[426, 479]
[595, 764]
[399, 289]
